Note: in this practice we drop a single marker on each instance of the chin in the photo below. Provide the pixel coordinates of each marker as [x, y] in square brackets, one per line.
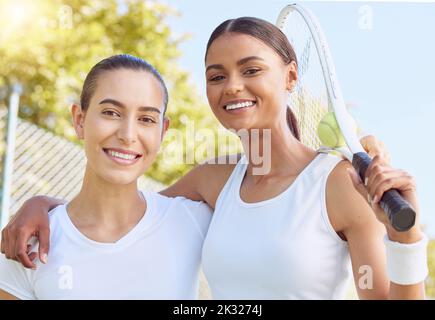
[239, 125]
[118, 178]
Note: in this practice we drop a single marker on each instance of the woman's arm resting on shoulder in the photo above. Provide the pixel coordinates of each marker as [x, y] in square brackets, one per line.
[187, 186]
[204, 182]
[30, 220]
[347, 202]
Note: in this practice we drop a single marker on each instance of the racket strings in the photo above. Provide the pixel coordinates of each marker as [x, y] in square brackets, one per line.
[309, 99]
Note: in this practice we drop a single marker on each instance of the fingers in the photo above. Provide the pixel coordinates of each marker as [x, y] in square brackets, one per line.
[4, 247]
[379, 180]
[380, 177]
[14, 245]
[3, 242]
[397, 181]
[22, 249]
[32, 256]
[376, 174]
[24, 258]
[31, 219]
[378, 164]
[10, 250]
[44, 243]
[375, 147]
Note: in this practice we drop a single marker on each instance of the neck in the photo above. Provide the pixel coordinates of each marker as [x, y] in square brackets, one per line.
[280, 152]
[106, 204]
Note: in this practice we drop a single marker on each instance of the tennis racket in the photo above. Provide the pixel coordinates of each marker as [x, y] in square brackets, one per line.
[318, 92]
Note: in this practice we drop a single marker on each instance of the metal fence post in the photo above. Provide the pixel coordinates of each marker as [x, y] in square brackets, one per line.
[8, 162]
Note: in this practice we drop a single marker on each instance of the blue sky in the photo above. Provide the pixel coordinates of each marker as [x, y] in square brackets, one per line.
[386, 72]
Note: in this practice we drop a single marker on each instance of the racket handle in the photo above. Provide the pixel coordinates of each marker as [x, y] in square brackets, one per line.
[399, 211]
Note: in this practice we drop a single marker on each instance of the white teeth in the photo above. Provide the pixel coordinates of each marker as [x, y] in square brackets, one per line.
[122, 155]
[239, 105]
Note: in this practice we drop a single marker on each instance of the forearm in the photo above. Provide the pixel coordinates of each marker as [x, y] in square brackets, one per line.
[186, 186]
[45, 203]
[178, 191]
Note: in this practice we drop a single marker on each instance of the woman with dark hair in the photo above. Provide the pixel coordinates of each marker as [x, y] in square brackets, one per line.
[295, 231]
[300, 229]
[95, 238]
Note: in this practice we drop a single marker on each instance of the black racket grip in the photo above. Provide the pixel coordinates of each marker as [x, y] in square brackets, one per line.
[399, 211]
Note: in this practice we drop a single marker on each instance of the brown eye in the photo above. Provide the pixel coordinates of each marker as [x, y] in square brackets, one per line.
[147, 120]
[110, 113]
[216, 78]
[251, 71]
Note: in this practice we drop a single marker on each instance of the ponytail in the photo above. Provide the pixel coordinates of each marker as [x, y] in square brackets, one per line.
[293, 124]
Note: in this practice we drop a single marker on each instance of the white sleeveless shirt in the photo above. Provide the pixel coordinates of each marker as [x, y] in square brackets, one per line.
[281, 248]
[159, 258]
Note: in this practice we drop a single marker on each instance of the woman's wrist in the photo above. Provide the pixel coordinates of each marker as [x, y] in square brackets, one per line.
[407, 262]
[413, 235]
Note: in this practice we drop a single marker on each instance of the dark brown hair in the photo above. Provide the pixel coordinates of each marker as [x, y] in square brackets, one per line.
[121, 61]
[270, 35]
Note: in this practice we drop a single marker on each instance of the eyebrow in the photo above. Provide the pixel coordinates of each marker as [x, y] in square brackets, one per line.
[239, 63]
[121, 105]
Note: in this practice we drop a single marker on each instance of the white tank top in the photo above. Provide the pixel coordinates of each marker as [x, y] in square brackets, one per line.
[280, 248]
[159, 258]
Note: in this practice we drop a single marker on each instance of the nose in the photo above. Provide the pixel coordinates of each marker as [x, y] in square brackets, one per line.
[127, 132]
[234, 85]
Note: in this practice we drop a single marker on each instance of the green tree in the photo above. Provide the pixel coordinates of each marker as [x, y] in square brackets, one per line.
[51, 50]
[430, 282]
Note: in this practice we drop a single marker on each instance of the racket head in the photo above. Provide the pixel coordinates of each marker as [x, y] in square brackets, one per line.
[317, 91]
[309, 98]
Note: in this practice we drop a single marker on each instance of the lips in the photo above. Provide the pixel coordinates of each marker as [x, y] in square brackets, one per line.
[240, 105]
[121, 156]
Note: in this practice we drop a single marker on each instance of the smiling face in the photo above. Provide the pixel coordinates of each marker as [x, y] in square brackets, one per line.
[123, 125]
[247, 82]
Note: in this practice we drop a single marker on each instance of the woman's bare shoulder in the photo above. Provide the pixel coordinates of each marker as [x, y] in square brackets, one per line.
[205, 181]
[347, 207]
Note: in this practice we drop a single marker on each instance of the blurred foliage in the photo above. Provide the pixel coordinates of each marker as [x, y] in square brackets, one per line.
[430, 282]
[50, 45]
